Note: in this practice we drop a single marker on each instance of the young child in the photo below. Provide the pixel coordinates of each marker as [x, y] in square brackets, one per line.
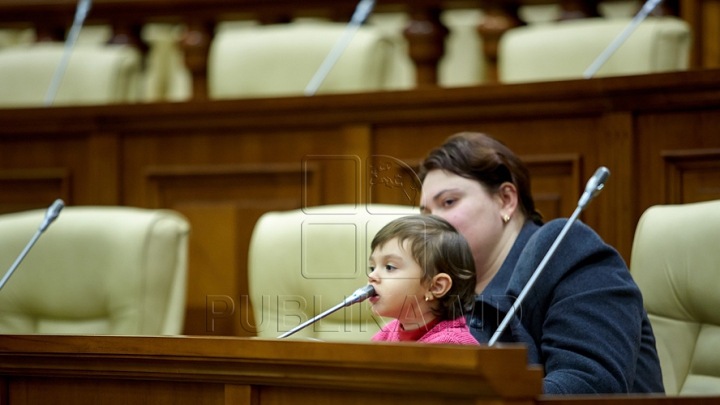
[424, 276]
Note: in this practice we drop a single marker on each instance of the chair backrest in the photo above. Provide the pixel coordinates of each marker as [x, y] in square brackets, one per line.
[95, 270]
[280, 60]
[304, 262]
[564, 50]
[676, 263]
[96, 74]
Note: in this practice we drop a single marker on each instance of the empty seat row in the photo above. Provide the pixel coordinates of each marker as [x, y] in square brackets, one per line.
[250, 60]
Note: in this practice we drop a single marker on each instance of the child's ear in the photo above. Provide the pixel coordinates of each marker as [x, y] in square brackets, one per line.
[440, 285]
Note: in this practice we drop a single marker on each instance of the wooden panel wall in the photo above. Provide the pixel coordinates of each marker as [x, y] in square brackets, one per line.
[224, 164]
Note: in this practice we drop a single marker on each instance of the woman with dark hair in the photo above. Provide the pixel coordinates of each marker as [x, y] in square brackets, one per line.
[584, 319]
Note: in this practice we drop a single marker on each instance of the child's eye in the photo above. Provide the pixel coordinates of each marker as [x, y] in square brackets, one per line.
[390, 267]
[448, 202]
[372, 269]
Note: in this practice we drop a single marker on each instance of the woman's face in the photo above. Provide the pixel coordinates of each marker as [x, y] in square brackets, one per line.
[469, 207]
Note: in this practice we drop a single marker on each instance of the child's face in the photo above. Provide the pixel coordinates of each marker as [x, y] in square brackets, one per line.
[397, 280]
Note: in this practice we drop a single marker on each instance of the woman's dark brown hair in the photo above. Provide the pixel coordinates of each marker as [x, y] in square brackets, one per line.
[479, 157]
[437, 247]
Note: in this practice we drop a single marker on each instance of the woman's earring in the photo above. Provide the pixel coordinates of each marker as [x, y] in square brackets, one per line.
[506, 219]
[428, 298]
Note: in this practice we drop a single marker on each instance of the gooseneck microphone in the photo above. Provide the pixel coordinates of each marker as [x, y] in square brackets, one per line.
[81, 12]
[360, 295]
[594, 186]
[50, 216]
[646, 9]
[592, 189]
[362, 11]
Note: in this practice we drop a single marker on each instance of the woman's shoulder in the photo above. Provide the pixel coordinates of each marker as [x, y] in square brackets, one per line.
[581, 250]
[579, 233]
[579, 242]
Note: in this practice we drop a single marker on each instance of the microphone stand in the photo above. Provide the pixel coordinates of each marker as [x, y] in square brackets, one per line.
[81, 12]
[360, 295]
[646, 9]
[362, 11]
[593, 188]
[50, 216]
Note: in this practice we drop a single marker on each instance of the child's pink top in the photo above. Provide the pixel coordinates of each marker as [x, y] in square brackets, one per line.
[447, 331]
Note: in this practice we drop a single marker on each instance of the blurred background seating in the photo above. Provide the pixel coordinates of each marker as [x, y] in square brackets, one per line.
[96, 74]
[564, 50]
[403, 47]
[95, 270]
[281, 59]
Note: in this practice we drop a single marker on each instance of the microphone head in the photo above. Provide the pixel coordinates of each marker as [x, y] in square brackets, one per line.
[51, 214]
[601, 175]
[594, 186]
[360, 295]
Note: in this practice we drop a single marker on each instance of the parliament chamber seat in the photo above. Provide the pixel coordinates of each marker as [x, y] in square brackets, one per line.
[281, 59]
[95, 270]
[564, 50]
[247, 59]
[303, 262]
[95, 74]
[676, 263]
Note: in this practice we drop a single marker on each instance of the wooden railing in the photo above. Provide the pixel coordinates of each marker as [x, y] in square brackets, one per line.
[425, 32]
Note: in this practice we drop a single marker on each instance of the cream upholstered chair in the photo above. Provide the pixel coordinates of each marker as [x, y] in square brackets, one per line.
[95, 270]
[96, 74]
[304, 262]
[564, 50]
[280, 60]
[676, 263]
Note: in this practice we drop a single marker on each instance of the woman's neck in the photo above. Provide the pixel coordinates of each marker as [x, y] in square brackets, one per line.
[486, 270]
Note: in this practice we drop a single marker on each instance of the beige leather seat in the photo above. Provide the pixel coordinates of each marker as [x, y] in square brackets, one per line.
[304, 262]
[564, 50]
[676, 263]
[280, 60]
[95, 270]
[96, 74]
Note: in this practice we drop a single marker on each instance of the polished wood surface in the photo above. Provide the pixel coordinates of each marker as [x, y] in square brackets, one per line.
[42, 369]
[225, 163]
[79, 370]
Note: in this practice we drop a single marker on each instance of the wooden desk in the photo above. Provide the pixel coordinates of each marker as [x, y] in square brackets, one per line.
[108, 370]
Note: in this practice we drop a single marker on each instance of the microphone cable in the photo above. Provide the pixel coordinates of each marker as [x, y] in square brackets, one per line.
[81, 12]
[359, 295]
[592, 189]
[52, 212]
[646, 9]
[362, 11]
